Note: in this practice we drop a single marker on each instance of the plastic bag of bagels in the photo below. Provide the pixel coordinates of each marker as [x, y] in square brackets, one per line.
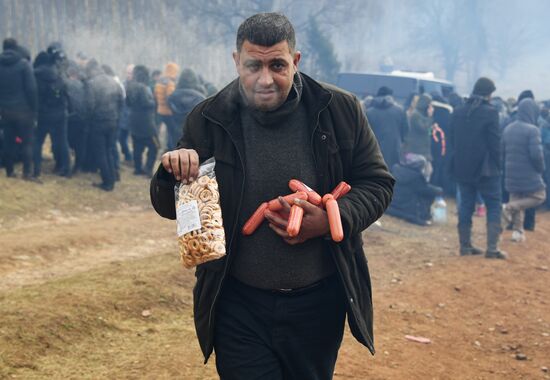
[201, 236]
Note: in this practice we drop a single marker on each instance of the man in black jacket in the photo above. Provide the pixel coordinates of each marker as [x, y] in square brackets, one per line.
[104, 99]
[474, 143]
[275, 306]
[18, 105]
[53, 105]
[389, 124]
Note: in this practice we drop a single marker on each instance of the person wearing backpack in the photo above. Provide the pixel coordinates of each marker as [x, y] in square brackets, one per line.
[53, 104]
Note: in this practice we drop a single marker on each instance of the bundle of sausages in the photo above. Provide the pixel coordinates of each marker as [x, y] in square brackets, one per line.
[303, 192]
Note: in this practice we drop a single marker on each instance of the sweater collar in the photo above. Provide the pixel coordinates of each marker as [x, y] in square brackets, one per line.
[277, 116]
[224, 107]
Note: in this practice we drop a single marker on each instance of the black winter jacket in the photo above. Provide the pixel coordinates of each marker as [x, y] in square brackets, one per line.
[344, 148]
[474, 141]
[17, 83]
[53, 99]
[390, 126]
[522, 148]
[181, 102]
[104, 99]
[141, 104]
[77, 93]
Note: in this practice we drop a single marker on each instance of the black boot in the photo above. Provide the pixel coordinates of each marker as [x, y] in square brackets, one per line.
[465, 239]
[493, 235]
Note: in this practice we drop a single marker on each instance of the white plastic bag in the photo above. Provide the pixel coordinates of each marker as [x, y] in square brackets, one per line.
[201, 236]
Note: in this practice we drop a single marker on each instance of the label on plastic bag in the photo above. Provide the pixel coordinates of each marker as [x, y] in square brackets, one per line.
[188, 218]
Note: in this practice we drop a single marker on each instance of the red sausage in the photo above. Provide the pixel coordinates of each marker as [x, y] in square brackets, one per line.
[342, 189]
[275, 205]
[295, 220]
[334, 220]
[255, 220]
[312, 196]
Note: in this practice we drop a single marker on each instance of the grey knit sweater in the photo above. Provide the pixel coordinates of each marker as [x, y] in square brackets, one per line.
[277, 149]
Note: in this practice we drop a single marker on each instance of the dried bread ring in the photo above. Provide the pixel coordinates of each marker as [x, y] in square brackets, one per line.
[193, 245]
[203, 181]
[219, 248]
[205, 196]
[204, 249]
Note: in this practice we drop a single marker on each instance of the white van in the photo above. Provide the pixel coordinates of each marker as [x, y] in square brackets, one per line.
[402, 83]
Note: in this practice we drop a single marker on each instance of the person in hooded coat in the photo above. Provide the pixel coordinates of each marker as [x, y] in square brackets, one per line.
[18, 106]
[186, 96]
[474, 148]
[413, 195]
[419, 139]
[389, 124]
[53, 101]
[141, 120]
[524, 162]
[529, 217]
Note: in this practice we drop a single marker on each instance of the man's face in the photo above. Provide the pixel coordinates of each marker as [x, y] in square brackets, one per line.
[266, 73]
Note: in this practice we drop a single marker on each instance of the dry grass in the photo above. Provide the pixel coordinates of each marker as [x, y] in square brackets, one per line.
[91, 325]
[20, 200]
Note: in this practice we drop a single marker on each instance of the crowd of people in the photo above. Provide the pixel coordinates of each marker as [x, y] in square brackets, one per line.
[492, 154]
[88, 113]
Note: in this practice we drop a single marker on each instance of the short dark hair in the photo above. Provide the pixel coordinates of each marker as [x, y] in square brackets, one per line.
[141, 74]
[9, 44]
[266, 29]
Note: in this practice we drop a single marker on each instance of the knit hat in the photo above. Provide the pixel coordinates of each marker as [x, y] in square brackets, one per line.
[384, 91]
[484, 87]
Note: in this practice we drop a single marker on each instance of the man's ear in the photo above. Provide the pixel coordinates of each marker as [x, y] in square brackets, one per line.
[296, 59]
[236, 59]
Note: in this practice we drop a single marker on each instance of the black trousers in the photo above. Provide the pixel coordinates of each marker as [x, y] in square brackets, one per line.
[102, 139]
[269, 335]
[140, 144]
[78, 139]
[17, 124]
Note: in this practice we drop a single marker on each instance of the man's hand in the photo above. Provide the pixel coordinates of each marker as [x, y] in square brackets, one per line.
[314, 223]
[182, 163]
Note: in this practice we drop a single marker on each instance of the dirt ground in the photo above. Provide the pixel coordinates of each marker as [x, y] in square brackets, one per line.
[91, 288]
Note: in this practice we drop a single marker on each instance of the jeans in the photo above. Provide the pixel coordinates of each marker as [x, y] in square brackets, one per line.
[491, 192]
[123, 141]
[173, 132]
[270, 335]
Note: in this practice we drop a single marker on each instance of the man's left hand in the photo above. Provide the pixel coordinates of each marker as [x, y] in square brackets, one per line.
[314, 222]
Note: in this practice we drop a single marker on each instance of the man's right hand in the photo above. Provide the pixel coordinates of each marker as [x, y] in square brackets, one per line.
[182, 163]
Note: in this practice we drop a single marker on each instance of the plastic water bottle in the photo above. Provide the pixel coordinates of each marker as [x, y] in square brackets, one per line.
[439, 211]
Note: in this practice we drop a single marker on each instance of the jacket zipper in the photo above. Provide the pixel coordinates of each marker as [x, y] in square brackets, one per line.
[369, 340]
[234, 228]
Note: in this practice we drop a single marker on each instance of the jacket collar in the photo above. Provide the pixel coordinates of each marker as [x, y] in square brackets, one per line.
[224, 107]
